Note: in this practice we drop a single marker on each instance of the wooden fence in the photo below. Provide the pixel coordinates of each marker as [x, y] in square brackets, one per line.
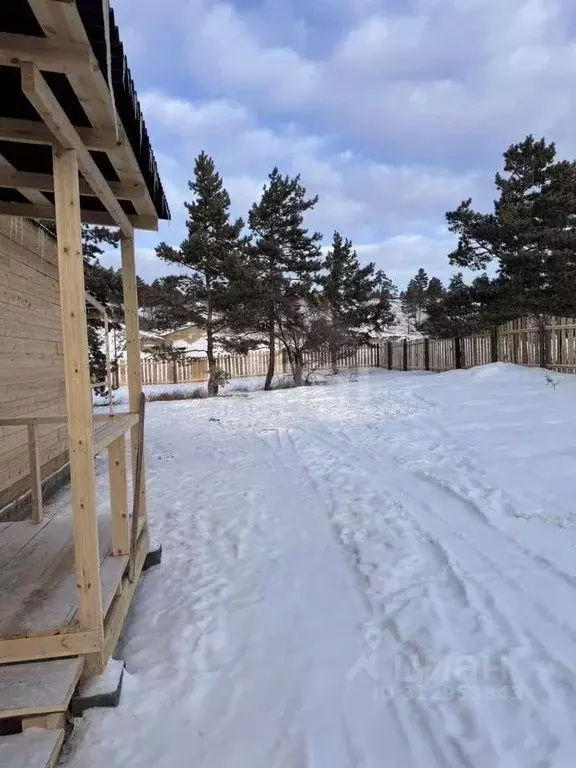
[548, 342]
[252, 365]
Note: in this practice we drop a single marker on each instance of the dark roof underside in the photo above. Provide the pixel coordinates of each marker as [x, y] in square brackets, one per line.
[17, 17]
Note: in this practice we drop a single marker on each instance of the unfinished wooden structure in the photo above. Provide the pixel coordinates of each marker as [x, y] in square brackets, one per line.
[73, 150]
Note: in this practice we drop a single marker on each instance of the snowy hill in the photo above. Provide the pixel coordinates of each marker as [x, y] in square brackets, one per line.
[403, 327]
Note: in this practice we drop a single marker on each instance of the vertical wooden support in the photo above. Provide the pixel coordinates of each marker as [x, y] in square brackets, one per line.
[133, 364]
[405, 354]
[78, 390]
[390, 352]
[35, 473]
[542, 342]
[108, 364]
[457, 352]
[426, 354]
[119, 497]
[494, 344]
[378, 355]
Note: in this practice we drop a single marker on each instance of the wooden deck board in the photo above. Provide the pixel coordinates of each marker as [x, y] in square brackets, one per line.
[15, 536]
[31, 749]
[38, 584]
[38, 687]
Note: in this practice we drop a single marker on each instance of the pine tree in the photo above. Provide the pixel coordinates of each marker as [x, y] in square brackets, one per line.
[530, 235]
[455, 314]
[208, 253]
[105, 285]
[357, 298]
[413, 299]
[434, 292]
[168, 302]
[285, 259]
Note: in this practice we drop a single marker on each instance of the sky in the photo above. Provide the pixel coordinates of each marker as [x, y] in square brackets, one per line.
[392, 111]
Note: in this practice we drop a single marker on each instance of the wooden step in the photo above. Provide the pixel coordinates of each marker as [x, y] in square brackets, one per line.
[31, 749]
[38, 687]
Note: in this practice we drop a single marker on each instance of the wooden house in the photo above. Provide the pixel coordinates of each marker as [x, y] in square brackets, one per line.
[73, 150]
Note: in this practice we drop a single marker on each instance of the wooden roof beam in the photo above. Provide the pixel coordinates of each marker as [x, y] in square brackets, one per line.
[44, 182]
[61, 19]
[51, 55]
[35, 132]
[31, 211]
[46, 104]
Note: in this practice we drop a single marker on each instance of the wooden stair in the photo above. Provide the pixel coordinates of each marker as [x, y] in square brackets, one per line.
[31, 749]
[38, 695]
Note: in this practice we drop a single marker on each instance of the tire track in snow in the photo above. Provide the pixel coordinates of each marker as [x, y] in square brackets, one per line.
[407, 709]
[531, 612]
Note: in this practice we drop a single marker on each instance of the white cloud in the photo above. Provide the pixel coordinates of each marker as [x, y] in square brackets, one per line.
[392, 114]
[357, 195]
[435, 79]
[223, 46]
[402, 255]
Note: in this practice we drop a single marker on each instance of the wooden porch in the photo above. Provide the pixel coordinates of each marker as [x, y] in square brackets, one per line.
[73, 149]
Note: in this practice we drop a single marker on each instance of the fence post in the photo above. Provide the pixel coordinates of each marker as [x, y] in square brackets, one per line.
[405, 354]
[390, 360]
[542, 341]
[378, 355]
[426, 354]
[457, 352]
[174, 372]
[494, 344]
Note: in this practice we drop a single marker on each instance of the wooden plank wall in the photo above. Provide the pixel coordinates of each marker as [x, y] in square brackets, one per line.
[476, 350]
[416, 355]
[31, 362]
[561, 343]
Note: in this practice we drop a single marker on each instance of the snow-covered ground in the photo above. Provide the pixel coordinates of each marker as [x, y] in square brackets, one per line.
[372, 574]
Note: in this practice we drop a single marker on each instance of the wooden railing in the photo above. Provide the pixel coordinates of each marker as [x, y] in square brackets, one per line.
[108, 432]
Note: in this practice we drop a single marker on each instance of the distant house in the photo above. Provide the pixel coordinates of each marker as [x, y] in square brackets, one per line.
[191, 341]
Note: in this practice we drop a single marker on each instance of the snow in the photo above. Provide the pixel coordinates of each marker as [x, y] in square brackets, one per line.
[234, 386]
[105, 684]
[402, 327]
[369, 574]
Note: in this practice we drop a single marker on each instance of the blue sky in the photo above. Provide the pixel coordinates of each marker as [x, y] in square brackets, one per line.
[393, 111]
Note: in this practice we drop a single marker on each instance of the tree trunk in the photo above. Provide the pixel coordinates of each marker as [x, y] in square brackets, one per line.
[334, 360]
[298, 369]
[212, 370]
[271, 349]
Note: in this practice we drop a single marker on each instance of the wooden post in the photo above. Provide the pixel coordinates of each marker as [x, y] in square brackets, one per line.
[35, 473]
[405, 354]
[137, 495]
[78, 390]
[133, 363]
[174, 371]
[457, 353]
[378, 355]
[390, 351]
[426, 354]
[494, 344]
[118, 497]
[542, 341]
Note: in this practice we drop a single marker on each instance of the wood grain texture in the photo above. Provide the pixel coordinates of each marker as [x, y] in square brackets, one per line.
[38, 687]
[78, 392]
[32, 369]
[32, 749]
